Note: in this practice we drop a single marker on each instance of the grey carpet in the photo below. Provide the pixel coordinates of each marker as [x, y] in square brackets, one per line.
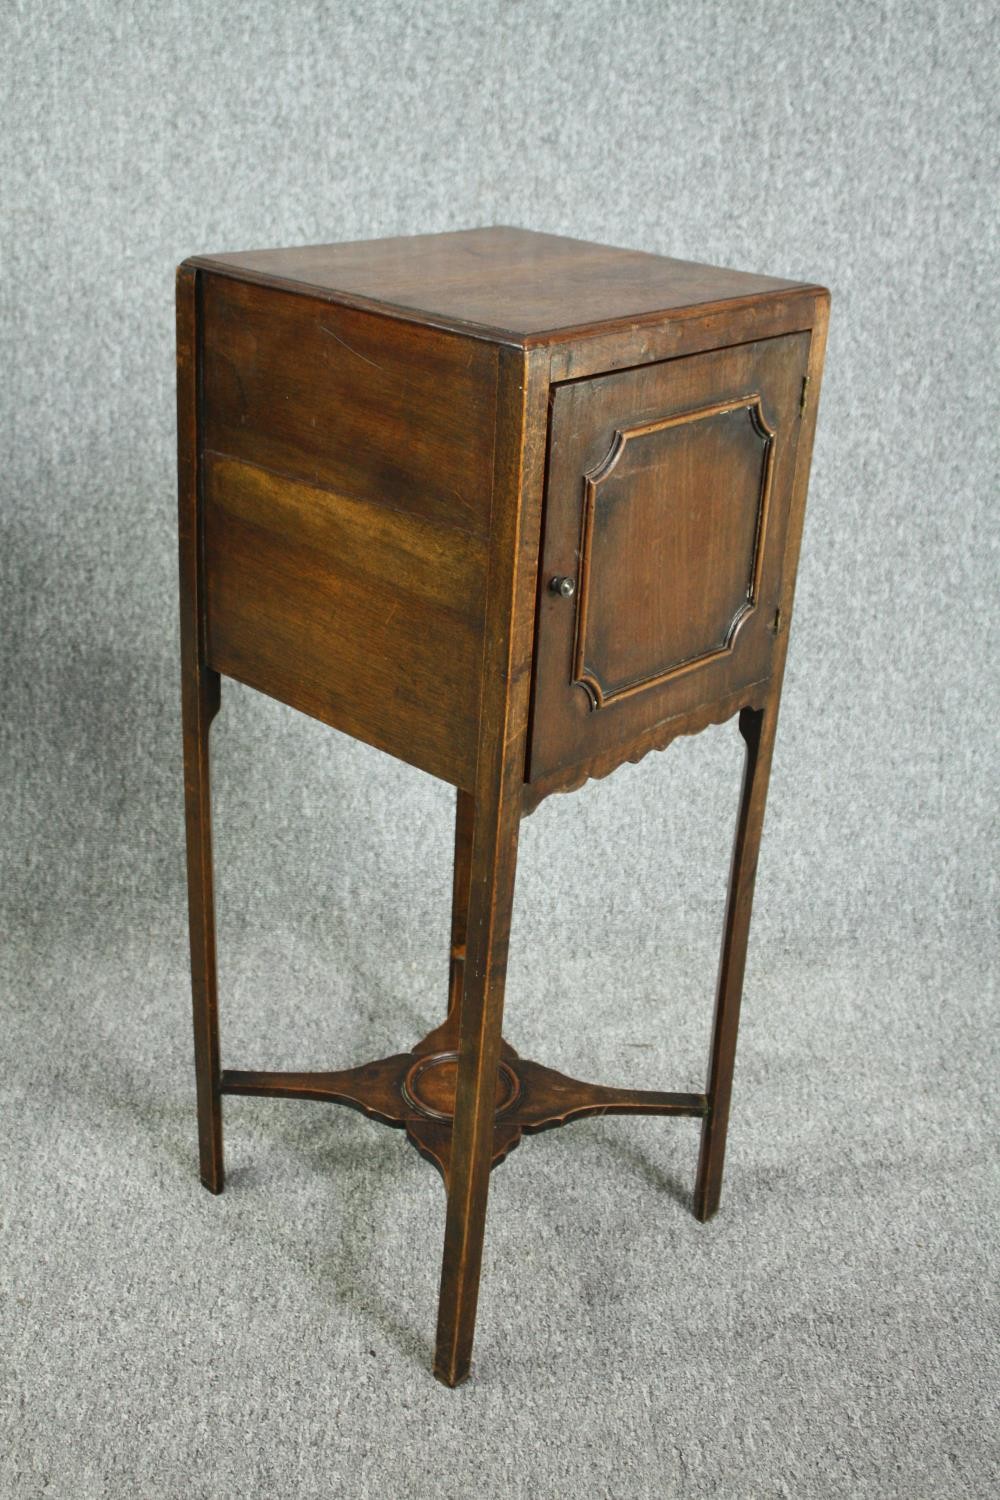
[833, 1332]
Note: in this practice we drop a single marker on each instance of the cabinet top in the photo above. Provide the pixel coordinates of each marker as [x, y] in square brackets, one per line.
[509, 285]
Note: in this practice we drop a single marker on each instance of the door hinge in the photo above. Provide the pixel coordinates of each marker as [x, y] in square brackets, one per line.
[805, 393]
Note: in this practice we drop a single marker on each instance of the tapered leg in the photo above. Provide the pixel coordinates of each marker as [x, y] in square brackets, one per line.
[464, 807]
[491, 888]
[757, 728]
[200, 705]
[494, 820]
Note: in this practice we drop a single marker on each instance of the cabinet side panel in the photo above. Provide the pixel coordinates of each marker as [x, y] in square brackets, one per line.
[369, 406]
[347, 480]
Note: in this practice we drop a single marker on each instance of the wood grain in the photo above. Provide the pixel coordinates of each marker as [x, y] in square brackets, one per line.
[366, 617]
[400, 416]
[503, 283]
[682, 497]
[677, 551]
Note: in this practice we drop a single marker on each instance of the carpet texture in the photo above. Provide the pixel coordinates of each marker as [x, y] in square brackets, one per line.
[833, 1332]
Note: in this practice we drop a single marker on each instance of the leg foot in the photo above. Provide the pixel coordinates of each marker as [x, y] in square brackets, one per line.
[452, 1376]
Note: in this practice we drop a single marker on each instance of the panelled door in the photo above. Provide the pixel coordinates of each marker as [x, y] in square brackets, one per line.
[666, 516]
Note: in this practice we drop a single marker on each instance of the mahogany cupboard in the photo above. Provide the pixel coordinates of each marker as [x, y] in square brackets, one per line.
[517, 509]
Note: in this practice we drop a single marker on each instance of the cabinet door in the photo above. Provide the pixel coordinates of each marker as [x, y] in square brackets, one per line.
[667, 504]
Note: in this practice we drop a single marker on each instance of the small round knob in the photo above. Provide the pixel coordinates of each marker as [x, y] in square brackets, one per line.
[564, 586]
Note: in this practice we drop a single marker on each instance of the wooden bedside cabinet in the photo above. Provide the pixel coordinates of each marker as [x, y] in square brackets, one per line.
[516, 509]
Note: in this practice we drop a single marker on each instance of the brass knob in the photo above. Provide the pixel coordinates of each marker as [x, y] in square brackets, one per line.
[564, 586]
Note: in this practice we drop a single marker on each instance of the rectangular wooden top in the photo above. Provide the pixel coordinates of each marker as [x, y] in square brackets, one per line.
[508, 285]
